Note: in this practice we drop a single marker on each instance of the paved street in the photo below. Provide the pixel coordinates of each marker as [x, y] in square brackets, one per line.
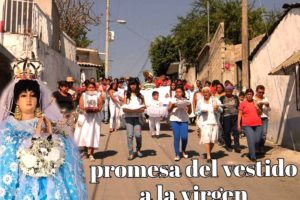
[113, 151]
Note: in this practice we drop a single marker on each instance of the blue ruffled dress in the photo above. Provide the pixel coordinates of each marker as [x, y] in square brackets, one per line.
[67, 183]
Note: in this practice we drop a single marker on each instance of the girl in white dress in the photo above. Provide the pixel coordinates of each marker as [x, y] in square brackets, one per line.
[114, 107]
[153, 110]
[209, 123]
[87, 132]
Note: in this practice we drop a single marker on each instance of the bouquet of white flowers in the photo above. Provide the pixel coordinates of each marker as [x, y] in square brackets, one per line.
[41, 157]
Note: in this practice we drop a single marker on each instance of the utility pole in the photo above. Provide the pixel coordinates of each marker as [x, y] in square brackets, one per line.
[245, 46]
[208, 24]
[107, 38]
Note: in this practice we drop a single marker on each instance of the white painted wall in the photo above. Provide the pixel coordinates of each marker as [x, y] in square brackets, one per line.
[68, 47]
[55, 66]
[280, 90]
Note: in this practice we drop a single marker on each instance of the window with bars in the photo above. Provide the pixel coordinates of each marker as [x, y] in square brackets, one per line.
[18, 16]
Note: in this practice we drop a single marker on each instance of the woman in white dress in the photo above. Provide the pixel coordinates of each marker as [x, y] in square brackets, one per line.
[87, 132]
[209, 124]
[114, 107]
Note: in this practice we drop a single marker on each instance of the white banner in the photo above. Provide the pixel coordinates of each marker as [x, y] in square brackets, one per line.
[163, 91]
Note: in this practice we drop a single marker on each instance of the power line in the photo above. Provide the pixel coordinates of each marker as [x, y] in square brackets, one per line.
[136, 33]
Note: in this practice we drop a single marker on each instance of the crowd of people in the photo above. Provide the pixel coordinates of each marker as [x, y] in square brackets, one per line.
[220, 112]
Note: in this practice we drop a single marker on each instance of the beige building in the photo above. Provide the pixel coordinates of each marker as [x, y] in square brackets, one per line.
[30, 29]
[89, 62]
[275, 64]
[220, 61]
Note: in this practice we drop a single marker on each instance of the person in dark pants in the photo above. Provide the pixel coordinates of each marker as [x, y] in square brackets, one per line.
[63, 99]
[230, 116]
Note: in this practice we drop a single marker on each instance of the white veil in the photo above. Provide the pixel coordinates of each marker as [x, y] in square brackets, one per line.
[47, 102]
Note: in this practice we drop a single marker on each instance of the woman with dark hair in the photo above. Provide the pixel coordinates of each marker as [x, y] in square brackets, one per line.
[82, 89]
[133, 109]
[172, 90]
[114, 107]
[249, 115]
[88, 128]
[63, 98]
[18, 133]
[179, 110]
[220, 91]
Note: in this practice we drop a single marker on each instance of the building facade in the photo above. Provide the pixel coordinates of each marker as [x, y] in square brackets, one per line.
[281, 43]
[89, 62]
[30, 29]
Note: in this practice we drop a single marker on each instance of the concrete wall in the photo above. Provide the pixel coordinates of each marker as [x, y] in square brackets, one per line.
[68, 47]
[42, 26]
[46, 6]
[55, 66]
[89, 72]
[284, 126]
[190, 75]
[213, 67]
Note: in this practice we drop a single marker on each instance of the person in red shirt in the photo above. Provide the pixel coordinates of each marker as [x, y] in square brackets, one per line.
[249, 113]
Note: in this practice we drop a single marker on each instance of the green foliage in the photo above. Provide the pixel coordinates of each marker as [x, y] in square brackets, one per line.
[79, 35]
[163, 52]
[190, 33]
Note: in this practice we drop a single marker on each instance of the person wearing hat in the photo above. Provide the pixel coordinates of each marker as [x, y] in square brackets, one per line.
[149, 83]
[230, 115]
[72, 90]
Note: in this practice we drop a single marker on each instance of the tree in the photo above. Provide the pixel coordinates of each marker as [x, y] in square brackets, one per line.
[75, 18]
[190, 32]
[163, 51]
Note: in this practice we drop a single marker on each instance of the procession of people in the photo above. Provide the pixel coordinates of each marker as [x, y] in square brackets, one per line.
[221, 113]
[46, 133]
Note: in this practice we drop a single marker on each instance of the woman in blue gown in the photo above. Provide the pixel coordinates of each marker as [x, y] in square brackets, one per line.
[67, 183]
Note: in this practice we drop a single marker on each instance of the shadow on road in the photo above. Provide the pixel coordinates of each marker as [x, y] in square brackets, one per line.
[148, 152]
[164, 135]
[105, 154]
[216, 155]
[192, 153]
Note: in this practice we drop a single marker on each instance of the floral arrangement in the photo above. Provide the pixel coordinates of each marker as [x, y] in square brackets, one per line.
[41, 157]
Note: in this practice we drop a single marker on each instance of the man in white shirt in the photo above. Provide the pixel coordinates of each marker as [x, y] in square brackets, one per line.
[264, 103]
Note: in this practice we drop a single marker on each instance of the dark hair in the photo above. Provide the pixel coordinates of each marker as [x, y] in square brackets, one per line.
[227, 82]
[134, 81]
[215, 83]
[207, 82]
[223, 88]
[92, 79]
[260, 87]
[241, 94]
[111, 86]
[23, 86]
[116, 80]
[154, 93]
[182, 89]
[62, 84]
[91, 83]
[86, 82]
[249, 90]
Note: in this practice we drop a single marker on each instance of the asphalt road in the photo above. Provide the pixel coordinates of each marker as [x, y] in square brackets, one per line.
[113, 152]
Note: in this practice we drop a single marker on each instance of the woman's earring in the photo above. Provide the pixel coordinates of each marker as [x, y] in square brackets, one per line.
[38, 113]
[18, 114]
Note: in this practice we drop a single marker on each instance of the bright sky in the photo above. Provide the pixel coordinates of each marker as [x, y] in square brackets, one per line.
[146, 19]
